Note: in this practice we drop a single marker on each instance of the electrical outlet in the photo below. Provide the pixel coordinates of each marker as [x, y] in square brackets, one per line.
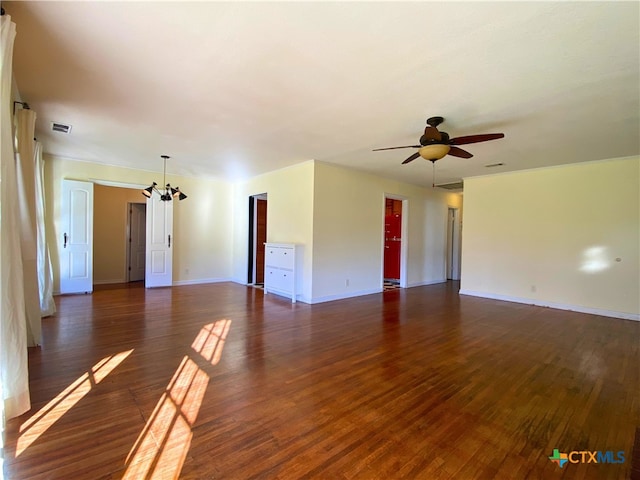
[533, 289]
[346, 282]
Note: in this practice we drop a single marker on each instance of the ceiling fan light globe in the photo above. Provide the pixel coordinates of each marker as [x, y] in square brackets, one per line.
[434, 152]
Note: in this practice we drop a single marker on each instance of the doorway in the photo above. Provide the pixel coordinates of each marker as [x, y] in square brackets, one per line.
[118, 212]
[107, 254]
[453, 244]
[137, 242]
[392, 242]
[257, 239]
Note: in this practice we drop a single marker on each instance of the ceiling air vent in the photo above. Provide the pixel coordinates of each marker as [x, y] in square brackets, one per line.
[451, 186]
[60, 127]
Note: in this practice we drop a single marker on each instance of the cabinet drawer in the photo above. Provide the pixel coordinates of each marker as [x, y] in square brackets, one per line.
[277, 279]
[279, 257]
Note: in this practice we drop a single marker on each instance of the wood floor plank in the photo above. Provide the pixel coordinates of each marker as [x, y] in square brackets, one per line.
[220, 381]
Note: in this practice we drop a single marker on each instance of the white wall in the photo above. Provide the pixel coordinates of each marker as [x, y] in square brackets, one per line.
[335, 214]
[552, 236]
[348, 241]
[201, 228]
[289, 217]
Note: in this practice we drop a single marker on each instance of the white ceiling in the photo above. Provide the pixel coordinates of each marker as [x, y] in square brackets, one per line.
[235, 89]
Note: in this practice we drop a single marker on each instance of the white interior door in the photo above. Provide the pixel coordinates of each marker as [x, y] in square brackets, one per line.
[137, 241]
[76, 244]
[159, 258]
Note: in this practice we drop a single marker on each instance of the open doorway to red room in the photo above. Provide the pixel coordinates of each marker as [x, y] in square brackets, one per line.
[393, 242]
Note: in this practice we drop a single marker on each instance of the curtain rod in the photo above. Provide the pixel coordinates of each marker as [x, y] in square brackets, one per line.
[25, 106]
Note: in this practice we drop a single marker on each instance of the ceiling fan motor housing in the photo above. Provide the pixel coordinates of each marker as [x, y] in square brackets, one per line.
[425, 140]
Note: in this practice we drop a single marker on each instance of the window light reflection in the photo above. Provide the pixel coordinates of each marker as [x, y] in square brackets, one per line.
[56, 408]
[595, 259]
[161, 448]
[210, 341]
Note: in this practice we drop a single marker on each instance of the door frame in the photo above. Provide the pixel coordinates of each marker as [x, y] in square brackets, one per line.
[404, 230]
[128, 236]
[454, 252]
[110, 183]
[253, 235]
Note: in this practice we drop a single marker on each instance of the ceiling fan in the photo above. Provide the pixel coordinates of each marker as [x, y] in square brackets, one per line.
[435, 144]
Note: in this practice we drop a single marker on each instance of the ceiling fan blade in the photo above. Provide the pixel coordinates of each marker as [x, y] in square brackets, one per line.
[411, 158]
[475, 138]
[458, 152]
[394, 148]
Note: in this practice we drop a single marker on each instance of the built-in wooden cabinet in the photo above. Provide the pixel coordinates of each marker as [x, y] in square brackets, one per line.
[280, 269]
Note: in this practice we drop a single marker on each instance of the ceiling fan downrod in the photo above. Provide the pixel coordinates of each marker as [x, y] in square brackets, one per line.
[433, 177]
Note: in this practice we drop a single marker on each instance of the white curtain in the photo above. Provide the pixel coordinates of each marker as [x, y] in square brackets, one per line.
[26, 175]
[14, 374]
[45, 272]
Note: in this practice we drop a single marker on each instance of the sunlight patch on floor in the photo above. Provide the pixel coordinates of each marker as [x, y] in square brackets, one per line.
[210, 341]
[56, 408]
[161, 448]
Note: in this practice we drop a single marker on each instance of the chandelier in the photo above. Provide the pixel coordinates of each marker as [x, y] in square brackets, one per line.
[170, 193]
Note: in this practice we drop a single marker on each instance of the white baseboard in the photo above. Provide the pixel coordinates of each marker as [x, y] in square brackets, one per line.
[281, 294]
[176, 283]
[428, 282]
[200, 280]
[359, 293]
[340, 296]
[559, 306]
[108, 282]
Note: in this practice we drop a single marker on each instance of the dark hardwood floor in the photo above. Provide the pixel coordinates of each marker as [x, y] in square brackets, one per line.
[221, 382]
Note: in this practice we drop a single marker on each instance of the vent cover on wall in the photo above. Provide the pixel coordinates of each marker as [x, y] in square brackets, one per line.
[60, 127]
[451, 186]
